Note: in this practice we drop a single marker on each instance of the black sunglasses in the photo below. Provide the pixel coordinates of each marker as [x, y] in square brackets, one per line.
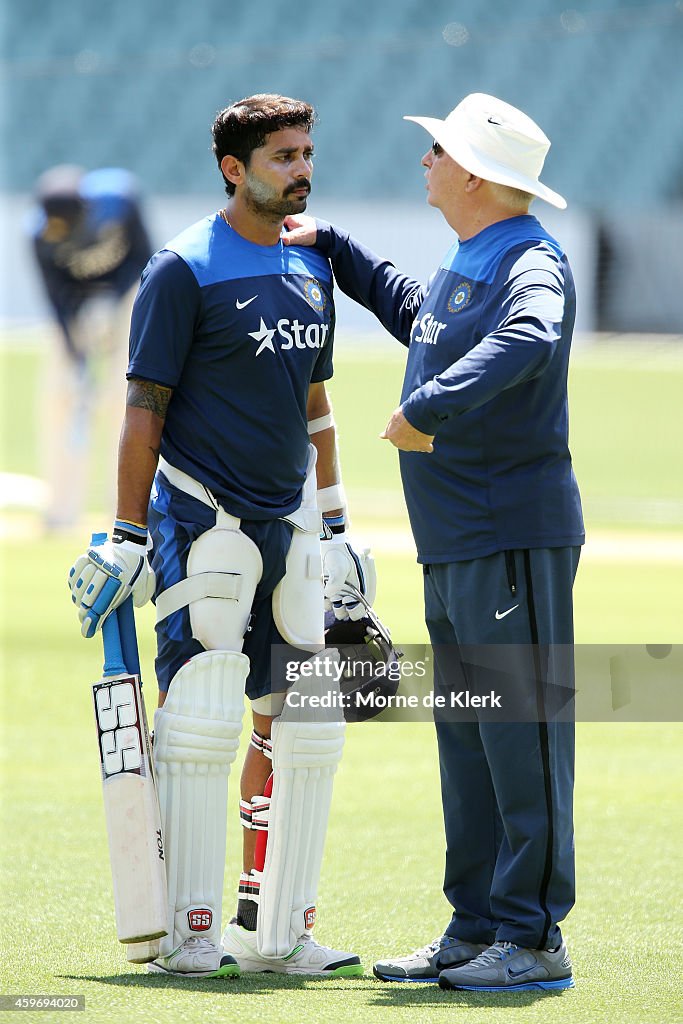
[437, 148]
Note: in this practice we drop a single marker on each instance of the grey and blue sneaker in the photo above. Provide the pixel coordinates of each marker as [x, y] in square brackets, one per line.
[510, 968]
[425, 964]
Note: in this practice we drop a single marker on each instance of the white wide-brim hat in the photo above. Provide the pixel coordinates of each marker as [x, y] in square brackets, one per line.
[496, 142]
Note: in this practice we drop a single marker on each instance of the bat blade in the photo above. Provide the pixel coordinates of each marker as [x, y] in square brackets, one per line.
[131, 806]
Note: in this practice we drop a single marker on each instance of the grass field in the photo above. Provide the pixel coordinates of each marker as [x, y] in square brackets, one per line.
[380, 891]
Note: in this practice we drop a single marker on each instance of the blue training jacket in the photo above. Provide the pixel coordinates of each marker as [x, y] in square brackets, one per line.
[488, 351]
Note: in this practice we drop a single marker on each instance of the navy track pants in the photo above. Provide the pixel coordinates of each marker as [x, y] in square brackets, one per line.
[507, 786]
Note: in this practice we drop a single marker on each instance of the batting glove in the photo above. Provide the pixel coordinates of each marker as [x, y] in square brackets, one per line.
[108, 573]
[345, 569]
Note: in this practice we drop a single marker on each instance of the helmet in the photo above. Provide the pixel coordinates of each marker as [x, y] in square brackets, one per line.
[58, 192]
[371, 663]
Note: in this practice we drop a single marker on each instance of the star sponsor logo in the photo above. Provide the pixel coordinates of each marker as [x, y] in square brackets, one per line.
[289, 334]
[264, 336]
[314, 295]
[460, 297]
[427, 329]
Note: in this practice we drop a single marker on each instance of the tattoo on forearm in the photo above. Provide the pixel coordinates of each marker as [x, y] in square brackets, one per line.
[143, 394]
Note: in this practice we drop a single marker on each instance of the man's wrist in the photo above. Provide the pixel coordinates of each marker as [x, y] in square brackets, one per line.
[331, 500]
[418, 414]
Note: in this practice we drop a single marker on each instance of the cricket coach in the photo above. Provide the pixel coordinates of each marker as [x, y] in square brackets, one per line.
[495, 510]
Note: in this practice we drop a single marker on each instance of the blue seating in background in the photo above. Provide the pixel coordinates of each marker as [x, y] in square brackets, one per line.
[138, 85]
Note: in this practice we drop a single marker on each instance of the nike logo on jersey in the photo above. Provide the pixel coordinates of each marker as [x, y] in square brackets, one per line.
[293, 334]
[241, 305]
[501, 615]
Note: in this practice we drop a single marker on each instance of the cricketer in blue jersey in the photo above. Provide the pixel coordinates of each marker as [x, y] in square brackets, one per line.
[89, 240]
[90, 245]
[482, 433]
[231, 514]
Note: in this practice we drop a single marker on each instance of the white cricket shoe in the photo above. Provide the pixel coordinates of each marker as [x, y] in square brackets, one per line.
[196, 958]
[307, 956]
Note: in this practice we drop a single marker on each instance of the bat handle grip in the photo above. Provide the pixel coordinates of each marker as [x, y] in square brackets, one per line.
[118, 635]
[114, 665]
[128, 636]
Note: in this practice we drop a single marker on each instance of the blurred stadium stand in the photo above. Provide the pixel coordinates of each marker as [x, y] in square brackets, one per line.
[137, 84]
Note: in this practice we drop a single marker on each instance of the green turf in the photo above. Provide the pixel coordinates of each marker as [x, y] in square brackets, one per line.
[19, 372]
[380, 886]
[380, 891]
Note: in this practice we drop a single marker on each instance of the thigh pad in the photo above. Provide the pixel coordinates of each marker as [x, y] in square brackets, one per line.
[224, 567]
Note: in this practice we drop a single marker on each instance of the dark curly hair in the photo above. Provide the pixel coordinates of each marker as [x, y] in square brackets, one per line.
[242, 127]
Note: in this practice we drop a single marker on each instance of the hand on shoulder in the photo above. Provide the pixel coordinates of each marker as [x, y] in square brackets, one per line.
[300, 230]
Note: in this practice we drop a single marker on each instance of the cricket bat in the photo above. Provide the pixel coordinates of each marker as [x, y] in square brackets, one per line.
[131, 806]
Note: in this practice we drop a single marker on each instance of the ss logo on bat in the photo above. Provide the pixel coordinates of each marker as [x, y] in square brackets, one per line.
[119, 728]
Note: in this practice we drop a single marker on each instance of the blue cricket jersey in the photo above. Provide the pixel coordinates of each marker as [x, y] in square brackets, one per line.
[239, 331]
[488, 350]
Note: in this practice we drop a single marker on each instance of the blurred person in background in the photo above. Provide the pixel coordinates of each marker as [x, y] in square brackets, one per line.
[482, 433]
[90, 245]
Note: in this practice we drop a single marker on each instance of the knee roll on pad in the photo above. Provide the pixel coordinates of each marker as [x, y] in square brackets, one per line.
[195, 742]
[305, 757]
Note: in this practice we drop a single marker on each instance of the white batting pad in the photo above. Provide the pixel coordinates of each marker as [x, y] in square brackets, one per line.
[196, 739]
[307, 747]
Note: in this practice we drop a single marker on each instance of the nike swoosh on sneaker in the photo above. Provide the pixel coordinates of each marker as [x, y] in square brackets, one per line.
[501, 615]
[241, 305]
[520, 974]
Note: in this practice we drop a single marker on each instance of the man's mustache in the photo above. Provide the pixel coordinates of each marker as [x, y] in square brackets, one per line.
[302, 183]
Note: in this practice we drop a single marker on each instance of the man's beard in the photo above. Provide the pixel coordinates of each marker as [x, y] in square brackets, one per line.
[265, 202]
